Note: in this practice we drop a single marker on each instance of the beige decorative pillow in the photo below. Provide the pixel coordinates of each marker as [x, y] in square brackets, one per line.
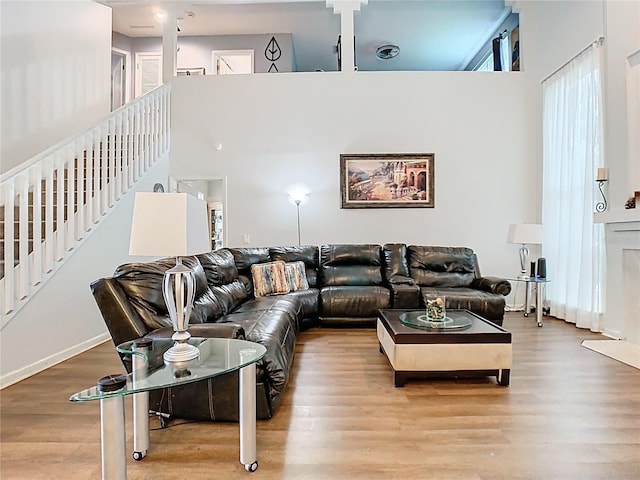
[269, 279]
[296, 276]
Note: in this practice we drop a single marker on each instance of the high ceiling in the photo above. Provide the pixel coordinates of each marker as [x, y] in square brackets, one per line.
[431, 34]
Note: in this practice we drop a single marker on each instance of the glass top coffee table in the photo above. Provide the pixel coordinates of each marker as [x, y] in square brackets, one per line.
[218, 356]
[472, 346]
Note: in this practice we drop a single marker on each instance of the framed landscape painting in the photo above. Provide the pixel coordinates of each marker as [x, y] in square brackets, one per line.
[387, 180]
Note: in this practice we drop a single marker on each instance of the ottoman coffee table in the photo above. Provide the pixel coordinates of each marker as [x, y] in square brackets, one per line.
[465, 345]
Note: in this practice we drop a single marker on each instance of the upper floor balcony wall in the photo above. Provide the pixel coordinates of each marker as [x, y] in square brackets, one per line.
[318, 36]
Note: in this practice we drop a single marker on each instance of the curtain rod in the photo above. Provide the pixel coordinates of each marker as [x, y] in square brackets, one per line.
[600, 40]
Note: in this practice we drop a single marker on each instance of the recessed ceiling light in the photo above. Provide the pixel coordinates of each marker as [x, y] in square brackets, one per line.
[387, 52]
[161, 15]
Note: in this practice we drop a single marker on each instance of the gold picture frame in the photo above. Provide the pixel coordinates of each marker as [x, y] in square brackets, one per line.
[387, 180]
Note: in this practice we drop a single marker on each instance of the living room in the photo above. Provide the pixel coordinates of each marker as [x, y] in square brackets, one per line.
[484, 129]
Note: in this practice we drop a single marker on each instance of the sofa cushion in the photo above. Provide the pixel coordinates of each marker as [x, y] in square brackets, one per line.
[272, 329]
[219, 266]
[356, 275]
[229, 296]
[353, 301]
[296, 276]
[309, 254]
[308, 302]
[245, 257]
[442, 266]
[269, 279]
[345, 264]
[347, 254]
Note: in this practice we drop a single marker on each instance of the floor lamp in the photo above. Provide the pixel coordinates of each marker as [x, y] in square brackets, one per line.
[298, 198]
[172, 225]
[525, 234]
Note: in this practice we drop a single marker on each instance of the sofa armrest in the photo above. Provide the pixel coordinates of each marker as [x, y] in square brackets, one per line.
[405, 295]
[122, 320]
[492, 285]
[204, 330]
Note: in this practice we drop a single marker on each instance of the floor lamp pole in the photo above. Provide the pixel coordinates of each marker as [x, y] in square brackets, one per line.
[298, 211]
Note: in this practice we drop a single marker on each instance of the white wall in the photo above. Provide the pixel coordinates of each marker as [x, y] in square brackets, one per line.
[291, 128]
[55, 59]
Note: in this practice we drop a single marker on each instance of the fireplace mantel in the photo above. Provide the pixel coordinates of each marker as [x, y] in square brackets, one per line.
[618, 216]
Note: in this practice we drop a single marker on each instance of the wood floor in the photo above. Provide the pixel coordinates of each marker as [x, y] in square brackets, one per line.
[569, 413]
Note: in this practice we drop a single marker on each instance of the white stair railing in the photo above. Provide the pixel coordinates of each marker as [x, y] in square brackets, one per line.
[51, 203]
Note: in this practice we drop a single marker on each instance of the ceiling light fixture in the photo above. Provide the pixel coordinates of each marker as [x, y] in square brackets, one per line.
[387, 52]
[161, 16]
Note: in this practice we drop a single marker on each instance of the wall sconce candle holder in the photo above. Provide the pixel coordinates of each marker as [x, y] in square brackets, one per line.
[601, 206]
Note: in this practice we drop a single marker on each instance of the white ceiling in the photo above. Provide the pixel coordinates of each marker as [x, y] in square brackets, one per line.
[431, 34]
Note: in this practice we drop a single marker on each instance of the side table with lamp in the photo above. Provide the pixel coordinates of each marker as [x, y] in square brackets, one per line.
[216, 356]
[171, 225]
[529, 234]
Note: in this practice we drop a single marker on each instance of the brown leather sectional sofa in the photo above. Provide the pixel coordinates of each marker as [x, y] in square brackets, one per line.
[348, 283]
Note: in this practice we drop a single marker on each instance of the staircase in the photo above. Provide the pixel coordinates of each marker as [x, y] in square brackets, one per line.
[53, 202]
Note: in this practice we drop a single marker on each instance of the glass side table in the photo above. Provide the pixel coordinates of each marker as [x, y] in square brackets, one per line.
[538, 283]
[217, 357]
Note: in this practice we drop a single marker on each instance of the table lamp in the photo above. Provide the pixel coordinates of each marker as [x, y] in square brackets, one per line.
[525, 234]
[172, 225]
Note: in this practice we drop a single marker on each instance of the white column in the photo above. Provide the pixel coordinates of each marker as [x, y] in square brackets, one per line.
[169, 46]
[346, 8]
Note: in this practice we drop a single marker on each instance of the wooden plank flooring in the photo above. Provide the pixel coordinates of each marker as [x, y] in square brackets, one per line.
[569, 413]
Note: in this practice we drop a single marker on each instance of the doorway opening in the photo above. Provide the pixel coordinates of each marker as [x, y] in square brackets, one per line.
[148, 72]
[232, 62]
[120, 78]
[214, 192]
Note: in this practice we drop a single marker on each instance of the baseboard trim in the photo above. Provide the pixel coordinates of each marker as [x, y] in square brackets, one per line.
[41, 365]
[613, 334]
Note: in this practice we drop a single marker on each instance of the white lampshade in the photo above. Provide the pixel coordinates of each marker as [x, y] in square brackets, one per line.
[169, 225]
[525, 233]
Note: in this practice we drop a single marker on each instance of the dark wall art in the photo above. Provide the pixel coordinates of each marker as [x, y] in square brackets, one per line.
[273, 53]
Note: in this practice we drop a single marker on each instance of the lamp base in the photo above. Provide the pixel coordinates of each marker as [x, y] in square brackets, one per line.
[180, 353]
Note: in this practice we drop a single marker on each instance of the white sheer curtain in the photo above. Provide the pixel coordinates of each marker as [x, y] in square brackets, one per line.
[572, 151]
